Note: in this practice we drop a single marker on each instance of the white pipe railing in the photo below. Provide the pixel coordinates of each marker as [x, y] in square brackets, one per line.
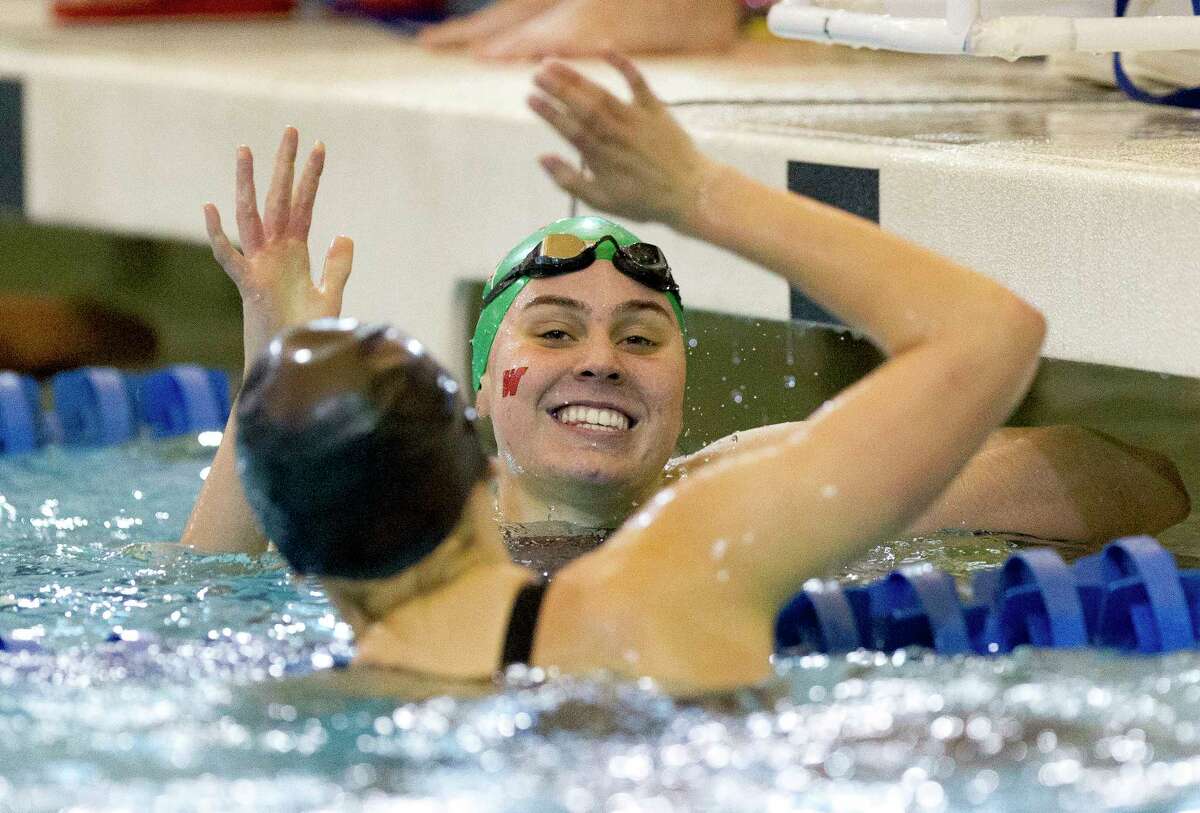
[1000, 28]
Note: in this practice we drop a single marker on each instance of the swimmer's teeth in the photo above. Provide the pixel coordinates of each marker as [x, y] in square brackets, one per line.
[592, 417]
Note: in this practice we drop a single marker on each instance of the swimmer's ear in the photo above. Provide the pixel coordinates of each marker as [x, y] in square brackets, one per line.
[483, 399]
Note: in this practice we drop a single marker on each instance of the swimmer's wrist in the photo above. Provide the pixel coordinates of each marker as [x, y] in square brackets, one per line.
[693, 217]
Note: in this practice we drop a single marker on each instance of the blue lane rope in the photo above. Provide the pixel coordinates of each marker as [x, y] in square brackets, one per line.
[1188, 97]
[183, 399]
[920, 601]
[1144, 607]
[1037, 603]
[20, 411]
[102, 406]
[1129, 597]
[93, 406]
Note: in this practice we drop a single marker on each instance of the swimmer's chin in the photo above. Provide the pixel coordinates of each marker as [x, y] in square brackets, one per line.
[594, 476]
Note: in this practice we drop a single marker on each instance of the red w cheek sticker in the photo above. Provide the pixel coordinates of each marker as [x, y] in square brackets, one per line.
[512, 380]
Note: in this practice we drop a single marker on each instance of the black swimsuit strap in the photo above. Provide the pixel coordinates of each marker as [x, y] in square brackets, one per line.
[518, 642]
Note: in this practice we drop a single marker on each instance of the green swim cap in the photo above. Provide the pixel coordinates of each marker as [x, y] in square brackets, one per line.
[589, 229]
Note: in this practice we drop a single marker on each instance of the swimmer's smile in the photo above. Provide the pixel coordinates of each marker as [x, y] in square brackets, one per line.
[593, 418]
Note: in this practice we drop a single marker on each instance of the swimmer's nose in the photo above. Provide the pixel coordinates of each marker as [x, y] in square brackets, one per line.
[600, 362]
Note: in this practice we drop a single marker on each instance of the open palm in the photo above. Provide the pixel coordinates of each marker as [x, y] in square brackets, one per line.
[272, 270]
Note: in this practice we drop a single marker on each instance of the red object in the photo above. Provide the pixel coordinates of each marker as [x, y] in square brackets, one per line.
[70, 11]
[512, 380]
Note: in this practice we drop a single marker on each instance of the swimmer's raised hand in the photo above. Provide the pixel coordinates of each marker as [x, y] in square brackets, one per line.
[272, 270]
[641, 165]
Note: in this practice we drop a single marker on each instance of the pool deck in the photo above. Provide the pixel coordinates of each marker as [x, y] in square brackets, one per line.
[1081, 201]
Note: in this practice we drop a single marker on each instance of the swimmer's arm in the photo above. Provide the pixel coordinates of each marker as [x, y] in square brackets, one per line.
[221, 520]
[741, 536]
[1061, 482]
[1055, 482]
[272, 274]
[697, 577]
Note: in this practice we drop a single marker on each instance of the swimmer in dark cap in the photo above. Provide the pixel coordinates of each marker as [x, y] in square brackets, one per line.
[358, 455]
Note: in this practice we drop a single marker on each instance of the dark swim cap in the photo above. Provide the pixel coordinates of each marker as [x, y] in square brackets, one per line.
[355, 449]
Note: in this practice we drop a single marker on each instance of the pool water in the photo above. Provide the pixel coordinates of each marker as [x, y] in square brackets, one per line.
[220, 695]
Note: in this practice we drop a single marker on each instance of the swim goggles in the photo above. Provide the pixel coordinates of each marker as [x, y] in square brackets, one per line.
[559, 254]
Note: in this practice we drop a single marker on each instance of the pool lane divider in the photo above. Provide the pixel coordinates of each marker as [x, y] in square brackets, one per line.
[20, 413]
[1129, 597]
[103, 406]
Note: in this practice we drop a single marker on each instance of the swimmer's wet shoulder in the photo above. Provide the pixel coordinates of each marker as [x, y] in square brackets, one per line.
[617, 610]
[458, 631]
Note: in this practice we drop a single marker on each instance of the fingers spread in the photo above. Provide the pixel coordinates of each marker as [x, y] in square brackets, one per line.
[306, 194]
[250, 228]
[279, 198]
[222, 250]
[338, 262]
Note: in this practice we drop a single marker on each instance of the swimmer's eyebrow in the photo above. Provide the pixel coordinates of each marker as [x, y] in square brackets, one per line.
[557, 301]
[632, 306]
[635, 305]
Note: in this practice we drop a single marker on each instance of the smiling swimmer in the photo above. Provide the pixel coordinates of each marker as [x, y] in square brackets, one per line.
[564, 247]
[579, 360]
[578, 357]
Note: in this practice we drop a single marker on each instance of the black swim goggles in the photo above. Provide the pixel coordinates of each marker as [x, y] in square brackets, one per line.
[559, 254]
